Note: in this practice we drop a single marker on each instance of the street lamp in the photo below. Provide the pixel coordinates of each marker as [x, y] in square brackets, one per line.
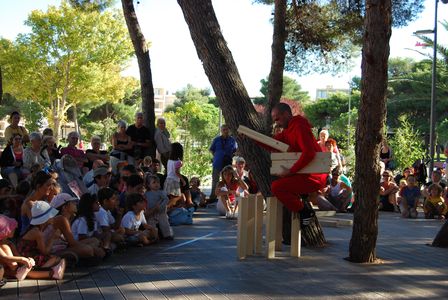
[433, 87]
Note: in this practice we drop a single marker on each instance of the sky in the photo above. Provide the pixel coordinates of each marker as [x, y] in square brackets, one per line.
[246, 28]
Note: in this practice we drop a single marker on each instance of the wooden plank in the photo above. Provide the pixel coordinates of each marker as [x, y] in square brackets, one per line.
[271, 224]
[320, 164]
[242, 234]
[325, 213]
[264, 139]
[28, 289]
[279, 226]
[126, 286]
[106, 286]
[259, 224]
[296, 235]
[68, 288]
[48, 289]
[339, 222]
[251, 225]
[88, 288]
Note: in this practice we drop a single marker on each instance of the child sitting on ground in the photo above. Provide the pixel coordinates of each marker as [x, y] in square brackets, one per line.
[106, 223]
[156, 211]
[84, 227]
[135, 218]
[409, 198]
[197, 196]
[146, 164]
[15, 265]
[33, 244]
[434, 204]
[226, 190]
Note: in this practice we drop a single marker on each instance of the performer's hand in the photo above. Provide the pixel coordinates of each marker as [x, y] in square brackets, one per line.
[285, 172]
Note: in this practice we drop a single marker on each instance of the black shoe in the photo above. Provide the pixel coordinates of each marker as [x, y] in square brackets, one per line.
[306, 214]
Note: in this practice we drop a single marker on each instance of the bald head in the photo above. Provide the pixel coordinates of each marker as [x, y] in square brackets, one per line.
[281, 114]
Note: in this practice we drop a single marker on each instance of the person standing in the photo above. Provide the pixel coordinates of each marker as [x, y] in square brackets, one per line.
[141, 138]
[162, 139]
[223, 147]
[15, 128]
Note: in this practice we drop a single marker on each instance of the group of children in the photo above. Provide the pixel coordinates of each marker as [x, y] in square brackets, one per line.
[50, 228]
[405, 195]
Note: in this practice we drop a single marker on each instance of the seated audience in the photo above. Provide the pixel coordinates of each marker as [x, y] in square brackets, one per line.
[226, 190]
[14, 128]
[388, 192]
[71, 149]
[409, 198]
[33, 244]
[101, 176]
[197, 196]
[96, 153]
[434, 204]
[107, 224]
[34, 154]
[137, 231]
[339, 192]
[11, 161]
[122, 144]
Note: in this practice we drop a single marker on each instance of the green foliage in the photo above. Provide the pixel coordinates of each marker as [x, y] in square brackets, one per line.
[407, 144]
[70, 57]
[193, 121]
[291, 90]
[31, 112]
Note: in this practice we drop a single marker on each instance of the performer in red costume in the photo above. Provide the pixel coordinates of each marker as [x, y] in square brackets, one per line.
[290, 185]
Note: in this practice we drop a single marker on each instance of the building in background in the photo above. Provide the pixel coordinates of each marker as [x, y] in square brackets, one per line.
[326, 92]
[162, 98]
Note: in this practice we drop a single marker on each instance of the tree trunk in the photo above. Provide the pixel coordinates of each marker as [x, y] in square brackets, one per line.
[441, 239]
[75, 120]
[225, 79]
[275, 81]
[1, 86]
[144, 65]
[369, 130]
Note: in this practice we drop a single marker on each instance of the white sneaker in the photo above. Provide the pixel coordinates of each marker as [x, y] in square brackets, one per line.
[228, 215]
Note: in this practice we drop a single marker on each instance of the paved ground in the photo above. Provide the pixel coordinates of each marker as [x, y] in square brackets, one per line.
[201, 264]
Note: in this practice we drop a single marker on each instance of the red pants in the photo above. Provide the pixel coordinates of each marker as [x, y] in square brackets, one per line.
[288, 189]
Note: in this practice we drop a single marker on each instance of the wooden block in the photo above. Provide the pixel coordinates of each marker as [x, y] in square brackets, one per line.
[296, 235]
[328, 223]
[335, 222]
[264, 139]
[320, 164]
[242, 228]
[325, 213]
[279, 226]
[250, 225]
[271, 223]
[259, 224]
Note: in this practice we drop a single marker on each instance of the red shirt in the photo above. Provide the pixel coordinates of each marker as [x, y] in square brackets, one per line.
[300, 138]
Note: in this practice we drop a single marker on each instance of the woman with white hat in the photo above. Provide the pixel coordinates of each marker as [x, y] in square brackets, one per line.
[33, 243]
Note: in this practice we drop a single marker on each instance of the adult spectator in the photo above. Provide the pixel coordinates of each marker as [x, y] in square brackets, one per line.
[15, 128]
[141, 138]
[88, 177]
[70, 177]
[403, 177]
[96, 153]
[386, 155]
[49, 145]
[33, 154]
[73, 151]
[388, 193]
[162, 139]
[121, 143]
[11, 161]
[339, 192]
[223, 147]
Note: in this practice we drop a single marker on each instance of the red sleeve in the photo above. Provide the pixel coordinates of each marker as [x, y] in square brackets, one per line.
[305, 140]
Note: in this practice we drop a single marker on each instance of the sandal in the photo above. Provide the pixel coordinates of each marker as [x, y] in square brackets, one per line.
[58, 270]
[22, 272]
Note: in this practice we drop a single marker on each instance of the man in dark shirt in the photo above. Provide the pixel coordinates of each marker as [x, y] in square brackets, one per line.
[141, 137]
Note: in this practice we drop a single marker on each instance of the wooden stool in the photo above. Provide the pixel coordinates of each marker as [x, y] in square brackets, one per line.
[274, 229]
[250, 226]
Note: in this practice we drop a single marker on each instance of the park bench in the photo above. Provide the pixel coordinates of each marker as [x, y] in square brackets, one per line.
[249, 240]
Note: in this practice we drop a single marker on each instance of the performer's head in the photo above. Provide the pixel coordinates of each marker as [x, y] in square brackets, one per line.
[281, 114]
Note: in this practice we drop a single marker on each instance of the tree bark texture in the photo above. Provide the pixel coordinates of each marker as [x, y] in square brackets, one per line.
[275, 86]
[441, 239]
[225, 79]
[369, 130]
[1, 86]
[144, 65]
